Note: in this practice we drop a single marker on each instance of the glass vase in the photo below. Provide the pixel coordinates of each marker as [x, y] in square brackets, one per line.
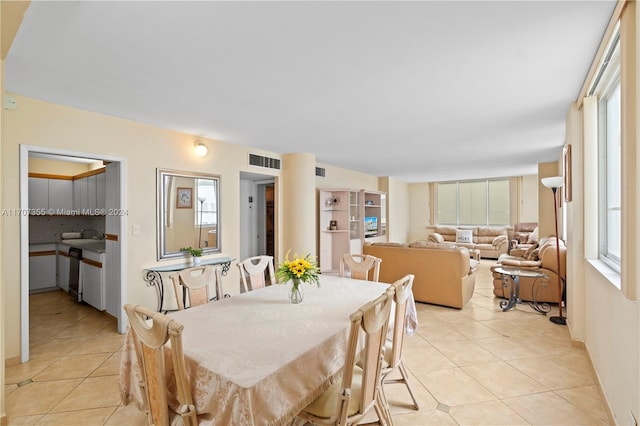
[295, 294]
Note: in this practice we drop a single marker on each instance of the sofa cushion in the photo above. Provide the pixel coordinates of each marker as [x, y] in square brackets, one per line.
[534, 255]
[389, 244]
[531, 253]
[520, 263]
[430, 245]
[499, 240]
[435, 238]
[464, 236]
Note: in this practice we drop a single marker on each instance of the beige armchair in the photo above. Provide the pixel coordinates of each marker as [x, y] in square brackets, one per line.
[543, 259]
[525, 235]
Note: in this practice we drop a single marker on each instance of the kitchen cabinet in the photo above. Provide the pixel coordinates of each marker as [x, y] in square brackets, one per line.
[80, 194]
[101, 191]
[63, 267]
[60, 194]
[38, 193]
[92, 274]
[46, 194]
[89, 193]
[42, 266]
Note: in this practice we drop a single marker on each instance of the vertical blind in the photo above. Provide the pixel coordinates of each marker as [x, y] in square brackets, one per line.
[483, 202]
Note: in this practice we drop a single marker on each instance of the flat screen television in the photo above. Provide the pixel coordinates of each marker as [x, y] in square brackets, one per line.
[370, 225]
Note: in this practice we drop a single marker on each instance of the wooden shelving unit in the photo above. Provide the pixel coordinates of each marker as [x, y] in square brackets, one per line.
[347, 209]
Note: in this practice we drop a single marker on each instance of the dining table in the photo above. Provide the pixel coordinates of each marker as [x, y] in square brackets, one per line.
[258, 359]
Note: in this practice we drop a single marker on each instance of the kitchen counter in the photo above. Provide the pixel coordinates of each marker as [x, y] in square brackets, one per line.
[86, 244]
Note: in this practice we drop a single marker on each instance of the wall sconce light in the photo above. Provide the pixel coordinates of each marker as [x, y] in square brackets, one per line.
[200, 148]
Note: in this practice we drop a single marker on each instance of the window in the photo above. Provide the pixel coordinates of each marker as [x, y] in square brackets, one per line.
[206, 209]
[609, 162]
[484, 202]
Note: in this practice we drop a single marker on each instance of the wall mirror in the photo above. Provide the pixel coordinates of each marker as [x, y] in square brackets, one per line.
[188, 206]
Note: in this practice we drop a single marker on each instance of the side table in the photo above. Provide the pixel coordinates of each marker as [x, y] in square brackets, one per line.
[153, 275]
[514, 298]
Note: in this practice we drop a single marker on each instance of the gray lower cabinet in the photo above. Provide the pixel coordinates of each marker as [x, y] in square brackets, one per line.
[42, 266]
[92, 279]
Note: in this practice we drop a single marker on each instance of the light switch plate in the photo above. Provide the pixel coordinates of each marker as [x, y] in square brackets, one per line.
[136, 230]
[10, 103]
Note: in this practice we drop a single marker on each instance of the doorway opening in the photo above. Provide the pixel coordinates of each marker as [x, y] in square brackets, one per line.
[54, 220]
[257, 215]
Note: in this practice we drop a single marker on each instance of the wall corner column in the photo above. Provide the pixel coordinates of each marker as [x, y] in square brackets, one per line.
[298, 204]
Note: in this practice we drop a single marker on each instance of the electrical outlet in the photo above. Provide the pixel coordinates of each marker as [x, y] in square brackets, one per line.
[136, 230]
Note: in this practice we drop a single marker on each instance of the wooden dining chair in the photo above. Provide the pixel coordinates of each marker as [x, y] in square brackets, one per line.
[193, 284]
[150, 331]
[393, 348]
[360, 266]
[253, 269]
[350, 400]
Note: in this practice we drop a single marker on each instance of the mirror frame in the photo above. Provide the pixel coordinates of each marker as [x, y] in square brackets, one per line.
[161, 214]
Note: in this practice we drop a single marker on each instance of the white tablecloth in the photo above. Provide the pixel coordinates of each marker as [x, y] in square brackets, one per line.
[255, 358]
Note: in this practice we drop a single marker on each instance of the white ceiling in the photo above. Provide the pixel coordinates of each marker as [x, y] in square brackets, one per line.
[419, 91]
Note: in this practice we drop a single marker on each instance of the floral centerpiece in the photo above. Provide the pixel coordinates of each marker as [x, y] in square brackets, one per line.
[299, 270]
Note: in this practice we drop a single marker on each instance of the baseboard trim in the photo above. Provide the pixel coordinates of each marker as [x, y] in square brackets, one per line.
[10, 362]
[598, 384]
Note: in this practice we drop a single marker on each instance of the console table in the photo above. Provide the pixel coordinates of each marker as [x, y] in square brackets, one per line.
[153, 275]
[514, 298]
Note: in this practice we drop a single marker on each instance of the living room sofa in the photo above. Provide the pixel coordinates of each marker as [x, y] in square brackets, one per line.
[490, 241]
[443, 274]
[542, 258]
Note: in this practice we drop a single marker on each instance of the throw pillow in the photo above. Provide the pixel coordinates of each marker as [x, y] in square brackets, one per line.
[529, 253]
[464, 236]
[534, 255]
[533, 237]
[435, 238]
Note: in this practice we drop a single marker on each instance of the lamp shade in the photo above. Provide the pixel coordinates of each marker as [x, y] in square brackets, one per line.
[552, 182]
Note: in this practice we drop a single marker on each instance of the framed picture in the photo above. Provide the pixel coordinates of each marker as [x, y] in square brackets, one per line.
[566, 160]
[184, 198]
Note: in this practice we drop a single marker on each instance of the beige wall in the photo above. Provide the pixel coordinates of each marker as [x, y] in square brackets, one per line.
[605, 317]
[529, 199]
[337, 177]
[419, 210]
[546, 215]
[397, 202]
[43, 124]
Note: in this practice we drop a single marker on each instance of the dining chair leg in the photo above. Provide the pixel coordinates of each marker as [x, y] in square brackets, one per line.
[405, 377]
[404, 380]
[382, 409]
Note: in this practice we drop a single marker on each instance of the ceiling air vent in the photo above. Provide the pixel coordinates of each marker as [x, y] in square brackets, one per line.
[321, 171]
[260, 161]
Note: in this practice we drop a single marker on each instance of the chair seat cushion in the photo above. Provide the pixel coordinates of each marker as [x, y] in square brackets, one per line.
[326, 405]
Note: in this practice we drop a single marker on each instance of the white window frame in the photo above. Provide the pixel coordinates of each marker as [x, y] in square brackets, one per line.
[609, 82]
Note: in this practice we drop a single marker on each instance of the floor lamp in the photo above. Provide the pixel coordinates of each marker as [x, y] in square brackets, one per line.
[202, 200]
[554, 183]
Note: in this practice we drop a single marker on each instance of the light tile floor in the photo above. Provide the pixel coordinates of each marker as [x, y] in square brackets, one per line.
[475, 366]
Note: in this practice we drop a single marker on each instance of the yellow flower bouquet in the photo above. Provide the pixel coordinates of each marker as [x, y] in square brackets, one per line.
[300, 269]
